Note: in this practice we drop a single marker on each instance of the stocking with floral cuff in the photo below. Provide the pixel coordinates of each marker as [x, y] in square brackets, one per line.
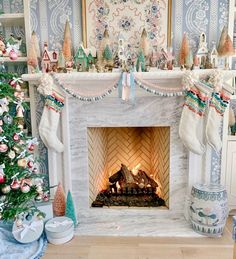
[50, 120]
[191, 122]
[218, 104]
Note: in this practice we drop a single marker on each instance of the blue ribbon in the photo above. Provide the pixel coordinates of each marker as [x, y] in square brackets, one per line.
[132, 87]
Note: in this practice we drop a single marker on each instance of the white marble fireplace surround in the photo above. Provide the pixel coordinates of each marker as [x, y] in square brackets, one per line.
[71, 167]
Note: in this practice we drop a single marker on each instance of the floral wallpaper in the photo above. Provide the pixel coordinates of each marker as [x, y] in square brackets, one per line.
[192, 16]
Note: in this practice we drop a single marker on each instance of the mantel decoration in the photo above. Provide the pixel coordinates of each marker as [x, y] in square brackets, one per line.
[201, 94]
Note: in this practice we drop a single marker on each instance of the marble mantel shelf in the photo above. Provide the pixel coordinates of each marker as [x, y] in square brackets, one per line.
[160, 74]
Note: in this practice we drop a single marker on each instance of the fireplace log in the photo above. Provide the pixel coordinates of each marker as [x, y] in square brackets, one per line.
[115, 177]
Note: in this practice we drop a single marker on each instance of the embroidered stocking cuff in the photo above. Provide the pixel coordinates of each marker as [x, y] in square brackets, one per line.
[196, 101]
[54, 102]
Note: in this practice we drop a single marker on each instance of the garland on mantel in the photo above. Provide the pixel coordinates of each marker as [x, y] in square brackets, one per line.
[158, 90]
[85, 98]
[130, 80]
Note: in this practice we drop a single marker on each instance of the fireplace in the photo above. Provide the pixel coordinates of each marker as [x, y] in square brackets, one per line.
[129, 166]
[79, 121]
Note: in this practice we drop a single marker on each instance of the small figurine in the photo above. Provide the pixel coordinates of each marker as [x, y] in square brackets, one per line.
[49, 59]
[14, 43]
[202, 52]
[214, 56]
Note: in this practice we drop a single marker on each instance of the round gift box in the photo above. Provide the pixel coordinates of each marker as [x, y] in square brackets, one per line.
[60, 241]
[62, 228]
[29, 231]
[208, 209]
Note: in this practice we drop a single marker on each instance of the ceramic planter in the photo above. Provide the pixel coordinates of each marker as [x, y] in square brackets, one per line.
[208, 209]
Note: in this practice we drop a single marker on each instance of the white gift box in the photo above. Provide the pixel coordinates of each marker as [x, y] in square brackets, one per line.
[28, 231]
[59, 230]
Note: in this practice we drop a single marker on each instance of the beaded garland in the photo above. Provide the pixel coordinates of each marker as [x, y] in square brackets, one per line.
[85, 98]
[160, 91]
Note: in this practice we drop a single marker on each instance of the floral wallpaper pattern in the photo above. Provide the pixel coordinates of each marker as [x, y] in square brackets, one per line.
[191, 16]
[128, 18]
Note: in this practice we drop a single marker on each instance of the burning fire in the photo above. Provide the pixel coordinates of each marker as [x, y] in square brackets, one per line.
[135, 169]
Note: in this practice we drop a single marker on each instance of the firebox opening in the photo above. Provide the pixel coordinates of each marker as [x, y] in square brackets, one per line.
[129, 166]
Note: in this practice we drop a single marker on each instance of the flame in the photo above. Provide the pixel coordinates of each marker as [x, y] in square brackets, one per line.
[118, 186]
[135, 169]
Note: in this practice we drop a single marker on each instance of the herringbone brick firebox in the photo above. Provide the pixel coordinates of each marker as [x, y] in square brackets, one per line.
[109, 147]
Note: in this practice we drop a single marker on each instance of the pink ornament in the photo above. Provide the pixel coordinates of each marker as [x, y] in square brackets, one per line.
[13, 55]
[30, 164]
[25, 188]
[3, 148]
[2, 178]
[45, 197]
[16, 137]
[12, 83]
[31, 147]
[15, 185]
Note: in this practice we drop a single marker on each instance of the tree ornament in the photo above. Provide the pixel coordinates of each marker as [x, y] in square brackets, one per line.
[17, 149]
[11, 154]
[2, 178]
[25, 188]
[22, 162]
[39, 189]
[38, 198]
[3, 148]
[70, 209]
[59, 203]
[15, 185]
[45, 197]
[8, 119]
[13, 55]
[6, 189]
[31, 147]
[12, 83]
[16, 137]
[29, 217]
[67, 42]
[30, 164]
[18, 87]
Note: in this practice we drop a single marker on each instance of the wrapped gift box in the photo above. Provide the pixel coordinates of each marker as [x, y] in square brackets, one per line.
[28, 231]
[59, 230]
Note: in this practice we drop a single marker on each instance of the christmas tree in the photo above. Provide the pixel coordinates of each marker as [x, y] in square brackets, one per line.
[223, 36]
[59, 203]
[107, 54]
[67, 42]
[34, 53]
[20, 184]
[144, 43]
[184, 50]
[70, 209]
[140, 65]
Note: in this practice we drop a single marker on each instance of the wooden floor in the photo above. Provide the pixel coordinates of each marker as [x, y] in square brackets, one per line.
[145, 248]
